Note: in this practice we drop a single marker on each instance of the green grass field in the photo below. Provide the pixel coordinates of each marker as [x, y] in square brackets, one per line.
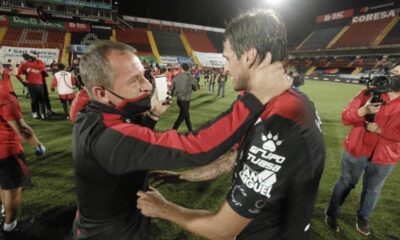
[51, 202]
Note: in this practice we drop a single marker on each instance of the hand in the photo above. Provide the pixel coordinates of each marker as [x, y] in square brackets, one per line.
[373, 127]
[369, 108]
[158, 107]
[160, 178]
[40, 150]
[270, 80]
[152, 203]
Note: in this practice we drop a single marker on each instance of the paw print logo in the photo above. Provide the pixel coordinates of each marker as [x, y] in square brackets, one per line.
[270, 142]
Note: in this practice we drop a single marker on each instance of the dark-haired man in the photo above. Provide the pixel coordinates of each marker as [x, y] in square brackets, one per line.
[279, 161]
[184, 84]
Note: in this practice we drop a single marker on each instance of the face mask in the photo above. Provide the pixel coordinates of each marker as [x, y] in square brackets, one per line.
[133, 106]
[395, 83]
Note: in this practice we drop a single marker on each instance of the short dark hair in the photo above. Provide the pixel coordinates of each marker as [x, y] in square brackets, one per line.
[185, 67]
[260, 29]
[60, 66]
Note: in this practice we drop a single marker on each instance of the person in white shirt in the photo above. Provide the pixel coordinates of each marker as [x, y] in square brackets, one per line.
[64, 82]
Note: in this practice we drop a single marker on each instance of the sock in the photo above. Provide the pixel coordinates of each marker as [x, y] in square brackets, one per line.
[8, 227]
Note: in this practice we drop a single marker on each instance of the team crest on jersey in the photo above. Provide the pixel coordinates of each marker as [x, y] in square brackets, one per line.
[271, 142]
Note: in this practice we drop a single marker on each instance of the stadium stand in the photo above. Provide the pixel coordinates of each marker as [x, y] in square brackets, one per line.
[393, 37]
[362, 34]
[137, 38]
[320, 38]
[169, 43]
[217, 40]
[87, 38]
[200, 42]
[30, 37]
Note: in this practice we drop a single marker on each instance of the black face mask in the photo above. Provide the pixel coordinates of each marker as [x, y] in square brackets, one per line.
[395, 83]
[133, 106]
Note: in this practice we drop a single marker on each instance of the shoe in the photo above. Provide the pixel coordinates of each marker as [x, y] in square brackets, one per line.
[35, 115]
[332, 222]
[51, 113]
[363, 226]
[20, 232]
[43, 116]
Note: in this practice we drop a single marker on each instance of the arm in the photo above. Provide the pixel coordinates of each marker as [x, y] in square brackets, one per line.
[53, 83]
[222, 165]
[226, 224]
[140, 148]
[24, 131]
[354, 112]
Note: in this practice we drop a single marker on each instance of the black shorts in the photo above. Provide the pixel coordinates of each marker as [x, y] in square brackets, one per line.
[14, 172]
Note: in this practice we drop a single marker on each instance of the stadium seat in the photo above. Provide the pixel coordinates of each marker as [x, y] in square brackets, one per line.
[169, 43]
[200, 42]
[137, 38]
[320, 38]
[393, 37]
[217, 40]
[362, 34]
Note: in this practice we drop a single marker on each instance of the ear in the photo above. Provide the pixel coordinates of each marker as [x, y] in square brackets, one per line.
[100, 95]
[251, 57]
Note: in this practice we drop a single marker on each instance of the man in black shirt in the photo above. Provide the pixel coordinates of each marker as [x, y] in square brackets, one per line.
[114, 145]
[280, 160]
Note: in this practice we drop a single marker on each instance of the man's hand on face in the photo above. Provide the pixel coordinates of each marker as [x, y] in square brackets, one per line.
[270, 80]
[159, 107]
[152, 203]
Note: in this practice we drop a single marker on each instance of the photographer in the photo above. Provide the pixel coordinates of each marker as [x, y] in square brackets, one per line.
[371, 147]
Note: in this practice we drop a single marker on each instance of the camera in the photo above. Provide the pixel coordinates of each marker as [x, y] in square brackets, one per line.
[376, 86]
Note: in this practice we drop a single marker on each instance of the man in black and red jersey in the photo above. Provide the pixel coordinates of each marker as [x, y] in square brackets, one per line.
[14, 173]
[278, 163]
[114, 144]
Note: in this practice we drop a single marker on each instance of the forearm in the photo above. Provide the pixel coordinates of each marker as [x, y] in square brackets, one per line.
[211, 171]
[29, 136]
[199, 222]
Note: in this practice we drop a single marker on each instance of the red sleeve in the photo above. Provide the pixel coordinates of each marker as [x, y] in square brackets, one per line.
[78, 104]
[53, 83]
[20, 71]
[140, 148]
[350, 115]
[11, 111]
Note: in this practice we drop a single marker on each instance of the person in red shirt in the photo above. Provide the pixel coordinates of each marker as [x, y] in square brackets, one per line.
[14, 173]
[5, 81]
[371, 147]
[34, 81]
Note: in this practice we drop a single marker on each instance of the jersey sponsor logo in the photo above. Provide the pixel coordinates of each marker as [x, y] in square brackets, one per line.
[238, 192]
[260, 182]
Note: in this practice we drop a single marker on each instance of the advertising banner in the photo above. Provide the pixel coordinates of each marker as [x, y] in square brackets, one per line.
[215, 60]
[16, 21]
[376, 16]
[187, 60]
[47, 55]
[169, 60]
[335, 16]
[80, 3]
[77, 27]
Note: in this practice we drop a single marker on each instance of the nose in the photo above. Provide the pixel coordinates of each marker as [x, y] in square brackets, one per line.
[145, 85]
